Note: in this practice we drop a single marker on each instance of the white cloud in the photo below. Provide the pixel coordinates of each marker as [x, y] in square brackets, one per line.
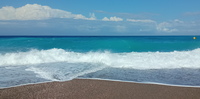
[105, 19]
[144, 21]
[92, 16]
[179, 26]
[112, 19]
[178, 21]
[36, 12]
[79, 16]
[166, 27]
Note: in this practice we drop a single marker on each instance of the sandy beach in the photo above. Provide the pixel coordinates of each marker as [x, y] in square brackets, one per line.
[98, 89]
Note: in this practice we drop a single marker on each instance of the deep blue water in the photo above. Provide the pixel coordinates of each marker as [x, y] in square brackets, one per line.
[157, 59]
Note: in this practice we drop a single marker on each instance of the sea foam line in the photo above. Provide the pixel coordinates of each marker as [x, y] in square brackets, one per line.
[135, 60]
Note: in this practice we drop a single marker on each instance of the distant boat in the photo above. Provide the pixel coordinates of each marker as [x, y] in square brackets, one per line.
[194, 38]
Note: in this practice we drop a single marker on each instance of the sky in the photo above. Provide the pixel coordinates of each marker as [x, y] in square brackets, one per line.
[99, 17]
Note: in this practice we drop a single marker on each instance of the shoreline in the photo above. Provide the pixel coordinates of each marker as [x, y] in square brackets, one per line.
[150, 83]
[98, 89]
[122, 81]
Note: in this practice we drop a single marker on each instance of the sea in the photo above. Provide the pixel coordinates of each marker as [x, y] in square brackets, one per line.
[171, 60]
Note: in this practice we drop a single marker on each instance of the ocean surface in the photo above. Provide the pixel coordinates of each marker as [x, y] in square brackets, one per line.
[171, 60]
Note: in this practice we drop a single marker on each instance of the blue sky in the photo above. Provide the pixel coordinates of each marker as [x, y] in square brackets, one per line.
[100, 17]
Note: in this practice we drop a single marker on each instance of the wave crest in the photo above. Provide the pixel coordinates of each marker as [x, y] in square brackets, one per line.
[136, 60]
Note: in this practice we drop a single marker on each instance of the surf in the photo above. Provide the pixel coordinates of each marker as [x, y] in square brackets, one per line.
[135, 60]
[168, 60]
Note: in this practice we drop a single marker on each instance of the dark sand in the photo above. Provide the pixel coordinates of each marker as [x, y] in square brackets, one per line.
[98, 89]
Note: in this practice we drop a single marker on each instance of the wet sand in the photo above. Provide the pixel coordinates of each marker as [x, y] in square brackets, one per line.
[98, 89]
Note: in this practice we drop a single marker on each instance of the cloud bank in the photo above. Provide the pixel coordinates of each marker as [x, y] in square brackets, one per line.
[64, 22]
[37, 12]
[166, 27]
[112, 19]
[145, 21]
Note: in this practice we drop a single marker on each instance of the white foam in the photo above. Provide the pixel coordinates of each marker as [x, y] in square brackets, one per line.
[135, 60]
[63, 71]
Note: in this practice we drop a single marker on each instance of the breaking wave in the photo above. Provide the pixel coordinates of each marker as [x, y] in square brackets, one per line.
[135, 60]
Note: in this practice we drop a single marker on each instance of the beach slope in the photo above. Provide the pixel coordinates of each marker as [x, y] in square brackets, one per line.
[98, 89]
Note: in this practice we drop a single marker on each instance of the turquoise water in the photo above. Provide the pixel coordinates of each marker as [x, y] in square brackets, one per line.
[169, 60]
[113, 44]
